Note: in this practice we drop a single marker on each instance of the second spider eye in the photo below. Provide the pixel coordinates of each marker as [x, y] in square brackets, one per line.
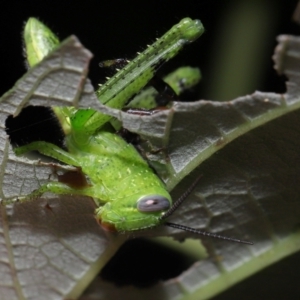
[153, 203]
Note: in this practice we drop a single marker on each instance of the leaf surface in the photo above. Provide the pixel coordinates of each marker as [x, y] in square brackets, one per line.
[247, 151]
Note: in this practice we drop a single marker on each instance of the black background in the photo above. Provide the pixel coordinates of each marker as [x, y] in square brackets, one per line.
[112, 29]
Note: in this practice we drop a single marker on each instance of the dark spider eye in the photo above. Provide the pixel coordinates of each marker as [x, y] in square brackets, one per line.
[153, 203]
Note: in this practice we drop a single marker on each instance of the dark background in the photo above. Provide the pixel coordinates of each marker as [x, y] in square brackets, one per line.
[112, 29]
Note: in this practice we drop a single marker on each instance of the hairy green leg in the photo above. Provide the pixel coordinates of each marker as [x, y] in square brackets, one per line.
[179, 80]
[54, 187]
[66, 168]
[133, 77]
[58, 188]
[128, 81]
[51, 150]
[183, 78]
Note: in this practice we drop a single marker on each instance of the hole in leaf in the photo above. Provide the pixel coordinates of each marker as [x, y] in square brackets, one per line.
[143, 263]
[34, 123]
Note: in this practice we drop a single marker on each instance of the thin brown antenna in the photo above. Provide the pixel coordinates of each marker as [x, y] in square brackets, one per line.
[177, 203]
[209, 234]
